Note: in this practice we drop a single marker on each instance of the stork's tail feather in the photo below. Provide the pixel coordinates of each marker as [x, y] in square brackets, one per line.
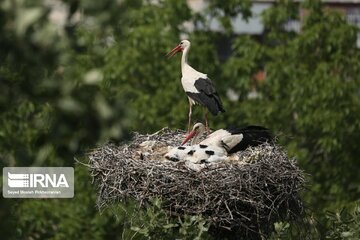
[252, 136]
[212, 102]
[258, 135]
[215, 106]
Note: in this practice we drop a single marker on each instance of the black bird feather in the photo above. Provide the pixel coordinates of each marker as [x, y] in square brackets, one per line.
[207, 96]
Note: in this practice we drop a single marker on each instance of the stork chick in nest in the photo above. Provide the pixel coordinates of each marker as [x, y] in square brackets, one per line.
[197, 154]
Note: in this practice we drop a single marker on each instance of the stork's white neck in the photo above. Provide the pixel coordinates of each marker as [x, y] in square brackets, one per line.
[197, 136]
[186, 69]
[195, 140]
[184, 63]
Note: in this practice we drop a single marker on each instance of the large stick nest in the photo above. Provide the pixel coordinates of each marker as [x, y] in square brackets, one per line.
[248, 194]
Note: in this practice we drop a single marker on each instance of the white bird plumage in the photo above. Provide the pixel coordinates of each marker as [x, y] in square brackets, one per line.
[197, 86]
[189, 74]
[231, 139]
[197, 154]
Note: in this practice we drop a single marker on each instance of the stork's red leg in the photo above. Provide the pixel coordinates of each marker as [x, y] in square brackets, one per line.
[190, 113]
[206, 121]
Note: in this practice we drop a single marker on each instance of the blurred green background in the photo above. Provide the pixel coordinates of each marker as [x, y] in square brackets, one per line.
[77, 73]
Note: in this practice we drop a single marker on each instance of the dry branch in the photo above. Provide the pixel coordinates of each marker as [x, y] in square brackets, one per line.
[250, 194]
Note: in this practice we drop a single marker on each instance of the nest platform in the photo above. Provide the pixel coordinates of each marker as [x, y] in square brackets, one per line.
[247, 195]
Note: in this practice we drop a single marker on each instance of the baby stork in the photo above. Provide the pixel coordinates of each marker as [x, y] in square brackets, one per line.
[197, 154]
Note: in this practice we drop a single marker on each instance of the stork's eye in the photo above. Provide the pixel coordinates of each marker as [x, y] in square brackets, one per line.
[181, 43]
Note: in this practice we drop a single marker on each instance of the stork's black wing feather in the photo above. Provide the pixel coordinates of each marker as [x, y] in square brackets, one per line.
[207, 96]
[205, 85]
[252, 136]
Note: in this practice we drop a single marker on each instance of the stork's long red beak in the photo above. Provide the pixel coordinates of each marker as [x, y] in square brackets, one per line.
[188, 137]
[174, 51]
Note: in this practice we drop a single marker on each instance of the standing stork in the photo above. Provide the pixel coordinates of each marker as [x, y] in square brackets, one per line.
[198, 87]
[231, 139]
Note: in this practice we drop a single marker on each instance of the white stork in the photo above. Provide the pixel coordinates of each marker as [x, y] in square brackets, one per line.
[198, 87]
[231, 139]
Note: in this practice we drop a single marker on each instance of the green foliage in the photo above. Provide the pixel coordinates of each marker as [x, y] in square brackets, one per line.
[75, 218]
[51, 109]
[154, 223]
[310, 93]
[321, 95]
[281, 230]
[67, 87]
[344, 224]
[340, 224]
